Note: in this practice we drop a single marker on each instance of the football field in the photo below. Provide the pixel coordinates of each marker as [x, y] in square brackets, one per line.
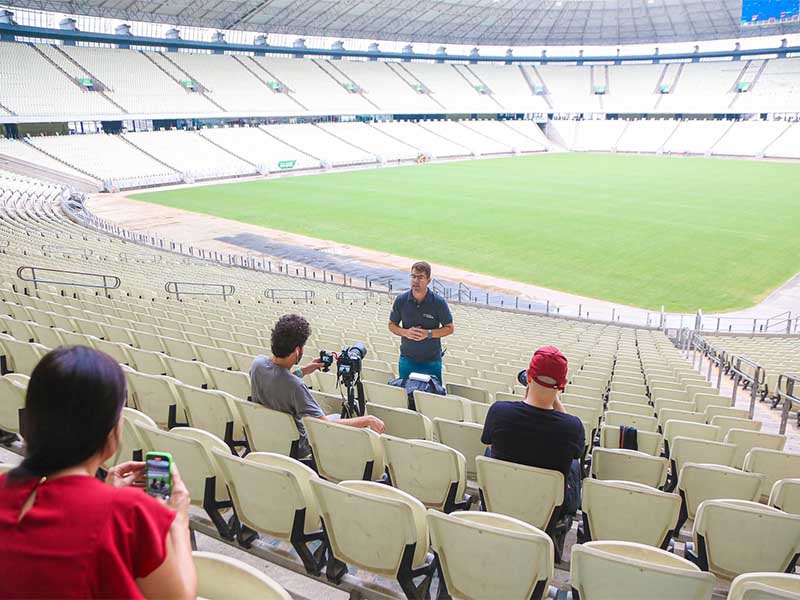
[687, 233]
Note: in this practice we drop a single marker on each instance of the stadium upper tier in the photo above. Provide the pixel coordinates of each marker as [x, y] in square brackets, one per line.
[144, 159]
[61, 82]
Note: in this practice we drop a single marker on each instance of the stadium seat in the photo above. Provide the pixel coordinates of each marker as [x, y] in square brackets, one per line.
[639, 398]
[157, 396]
[235, 383]
[12, 404]
[690, 450]
[469, 392]
[449, 407]
[746, 440]
[5, 467]
[765, 586]
[213, 411]
[629, 465]
[601, 570]
[272, 495]
[377, 528]
[529, 494]
[268, 430]
[648, 442]
[785, 496]
[386, 395]
[666, 414]
[726, 534]
[433, 473]
[627, 511]
[630, 408]
[478, 412]
[191, 449]
[664, 404]
[464, 437]
[343, 452]
[725, 424]
[218, 575]
[132, 445]
[774, 465]
[700, 482]
[468, 544]
[401, 422]
[714, 410]
[19, 357]
[641, 423]
[703, 401]
[699, 431]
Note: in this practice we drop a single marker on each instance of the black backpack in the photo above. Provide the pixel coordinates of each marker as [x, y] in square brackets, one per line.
[433, 386]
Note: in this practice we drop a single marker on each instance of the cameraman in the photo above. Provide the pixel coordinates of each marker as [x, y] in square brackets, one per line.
[421, 317]
[276, 381]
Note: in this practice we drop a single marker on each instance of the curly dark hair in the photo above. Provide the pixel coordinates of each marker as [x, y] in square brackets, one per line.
[289, 332]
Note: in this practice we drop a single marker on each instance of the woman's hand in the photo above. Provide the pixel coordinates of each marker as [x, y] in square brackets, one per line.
[180, 499]
[125, 474]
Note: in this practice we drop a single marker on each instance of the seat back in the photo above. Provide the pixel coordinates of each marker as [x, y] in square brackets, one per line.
[402, 422]
[599, 570]
[785, 496]
[627, 511]
[13, 395]
[774, 465]
[699, 431]
[667, 414]
[343, 452]
[469, 544]
[629, 465]
[386, 395]
[526, 493]
[427, 470]
[685, 450]
[647, 441]
[642, 423]
[209, 410]
[154, 394]
[217, 575]
[744, 537]
[725, 424]
[268, 430]
[469, 392]
[725, 411]
[131, 438]
[268, 490]
[464, 437]
[370, 525]
[644, 410]
[745, 440]
[703, 401]
[698, 483]
[432, 406]
[765, 586]
[191, 452]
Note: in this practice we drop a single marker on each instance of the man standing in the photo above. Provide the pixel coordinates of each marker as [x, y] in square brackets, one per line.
[537, 431]
[276, 381]
[421, 317]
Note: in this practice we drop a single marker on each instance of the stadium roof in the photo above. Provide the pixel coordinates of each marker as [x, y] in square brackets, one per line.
[479, 22]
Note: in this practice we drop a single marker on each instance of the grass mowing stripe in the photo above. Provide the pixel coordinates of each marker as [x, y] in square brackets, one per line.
[687, 233]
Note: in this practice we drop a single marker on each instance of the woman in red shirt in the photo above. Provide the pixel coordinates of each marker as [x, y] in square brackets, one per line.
[63, 532]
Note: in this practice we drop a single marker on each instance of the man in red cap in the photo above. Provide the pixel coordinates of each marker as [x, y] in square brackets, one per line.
[537, 431]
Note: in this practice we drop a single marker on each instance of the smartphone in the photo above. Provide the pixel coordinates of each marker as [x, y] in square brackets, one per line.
[158, 474]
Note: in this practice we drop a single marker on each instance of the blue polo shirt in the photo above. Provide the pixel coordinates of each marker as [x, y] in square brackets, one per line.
[431, 313]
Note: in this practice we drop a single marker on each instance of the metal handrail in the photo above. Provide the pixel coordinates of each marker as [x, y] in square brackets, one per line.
[756, 379]
[288, 294]
[788, 397]
[345, 296]
[225, 289]
[105, 285]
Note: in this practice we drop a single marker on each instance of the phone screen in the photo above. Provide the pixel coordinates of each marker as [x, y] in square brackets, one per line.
[158, 477]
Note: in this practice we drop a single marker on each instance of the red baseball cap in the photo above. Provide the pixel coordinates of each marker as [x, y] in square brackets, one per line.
[548, 368]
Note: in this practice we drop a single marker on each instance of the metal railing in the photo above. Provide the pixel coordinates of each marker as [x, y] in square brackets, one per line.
[67, 251]
[349, 296]
[143, 257]
[751, 372]
[203, 289]
[785, 392]
[106, 282]
[287, 294]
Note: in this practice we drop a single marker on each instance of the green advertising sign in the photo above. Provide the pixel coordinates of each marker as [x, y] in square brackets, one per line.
[286, 164]
[86, 81]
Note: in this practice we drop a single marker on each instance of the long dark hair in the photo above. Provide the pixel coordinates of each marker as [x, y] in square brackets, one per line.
[75, 398]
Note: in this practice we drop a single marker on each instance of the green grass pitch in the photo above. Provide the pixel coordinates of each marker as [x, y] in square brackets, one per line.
[687, 233]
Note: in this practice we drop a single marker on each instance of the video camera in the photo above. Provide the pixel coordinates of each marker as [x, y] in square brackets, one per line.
[348, 374]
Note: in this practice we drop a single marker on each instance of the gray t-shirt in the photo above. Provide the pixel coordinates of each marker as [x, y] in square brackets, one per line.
[277, 388]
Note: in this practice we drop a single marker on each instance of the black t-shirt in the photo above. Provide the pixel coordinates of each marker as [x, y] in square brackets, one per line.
[431, 313]
[537, 437]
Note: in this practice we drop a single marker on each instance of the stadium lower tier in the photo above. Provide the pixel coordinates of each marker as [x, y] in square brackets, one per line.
[684, 515]
[145, 159]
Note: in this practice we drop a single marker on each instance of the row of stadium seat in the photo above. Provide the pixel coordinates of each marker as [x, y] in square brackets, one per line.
[181, 85]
